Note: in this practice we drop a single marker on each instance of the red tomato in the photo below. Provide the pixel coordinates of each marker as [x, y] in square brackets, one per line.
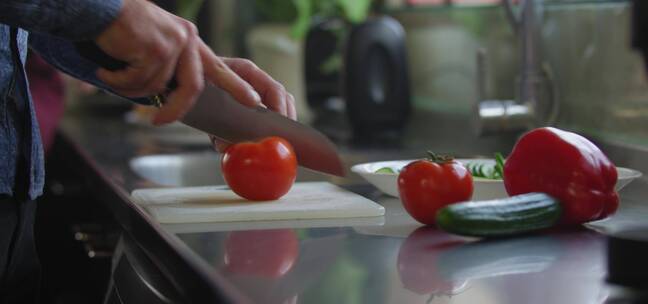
[262, 253]
[260, 171]
[426, 186]
[418, 262]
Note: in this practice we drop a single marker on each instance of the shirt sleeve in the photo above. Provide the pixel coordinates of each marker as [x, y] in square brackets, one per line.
[70, 19]
[63, 55]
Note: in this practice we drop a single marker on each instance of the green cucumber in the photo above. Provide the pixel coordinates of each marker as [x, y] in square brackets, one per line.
[501, 217]
[385, 170]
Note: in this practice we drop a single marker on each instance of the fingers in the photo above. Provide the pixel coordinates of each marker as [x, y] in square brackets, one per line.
[217, 72]
[150, 41]
[150, 74]
[141, 81]
[130, 82]
[189, 75]
[161, 45]
[273, 94]
[292, 111]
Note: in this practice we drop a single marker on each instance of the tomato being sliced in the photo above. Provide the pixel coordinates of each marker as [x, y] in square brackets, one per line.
[260, 171]
[425, 186]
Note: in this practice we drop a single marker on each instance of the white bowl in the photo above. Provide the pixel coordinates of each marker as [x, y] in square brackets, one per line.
[484, 189]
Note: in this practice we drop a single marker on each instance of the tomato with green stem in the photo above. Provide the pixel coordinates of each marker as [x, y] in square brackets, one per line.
[425, 186]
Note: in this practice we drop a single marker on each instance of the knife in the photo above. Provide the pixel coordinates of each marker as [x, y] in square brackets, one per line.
[218, 114]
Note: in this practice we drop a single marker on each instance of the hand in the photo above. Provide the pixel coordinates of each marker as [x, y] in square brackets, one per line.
[274, 95]
[157, 45]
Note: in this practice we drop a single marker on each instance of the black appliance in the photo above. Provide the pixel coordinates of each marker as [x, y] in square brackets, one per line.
[627, 266]
[322, 43]
[368, 97]
[376, 81]
[640, 28]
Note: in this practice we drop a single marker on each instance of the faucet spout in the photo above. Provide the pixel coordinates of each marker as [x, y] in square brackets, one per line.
[535, 101]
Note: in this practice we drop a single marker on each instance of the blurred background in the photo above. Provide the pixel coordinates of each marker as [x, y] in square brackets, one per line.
[598, 81]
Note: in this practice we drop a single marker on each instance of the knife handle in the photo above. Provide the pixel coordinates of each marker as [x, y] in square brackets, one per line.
[89, 50]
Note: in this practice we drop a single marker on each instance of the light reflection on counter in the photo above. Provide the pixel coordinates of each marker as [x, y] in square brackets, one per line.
[404, 262]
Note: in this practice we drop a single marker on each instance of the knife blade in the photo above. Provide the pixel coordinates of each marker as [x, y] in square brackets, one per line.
[218, 114]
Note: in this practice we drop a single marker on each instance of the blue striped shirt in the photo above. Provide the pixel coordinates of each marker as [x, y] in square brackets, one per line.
[50, 27]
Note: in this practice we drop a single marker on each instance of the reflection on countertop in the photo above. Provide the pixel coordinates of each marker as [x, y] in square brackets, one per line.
[390, 259]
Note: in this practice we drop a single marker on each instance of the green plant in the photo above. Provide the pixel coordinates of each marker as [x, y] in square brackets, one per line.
[188, 9]
[282, 11]
[301, 12]
[354, 11]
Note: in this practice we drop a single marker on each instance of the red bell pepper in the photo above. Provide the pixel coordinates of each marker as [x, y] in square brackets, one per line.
[566, 166]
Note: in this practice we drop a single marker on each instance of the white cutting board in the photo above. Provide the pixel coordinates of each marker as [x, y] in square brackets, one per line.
[308, 200]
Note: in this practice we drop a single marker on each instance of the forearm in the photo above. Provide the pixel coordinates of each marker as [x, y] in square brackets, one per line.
[70, 19]
[63, 55]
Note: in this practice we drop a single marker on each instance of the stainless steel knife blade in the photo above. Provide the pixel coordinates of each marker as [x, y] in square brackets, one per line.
[218, 114]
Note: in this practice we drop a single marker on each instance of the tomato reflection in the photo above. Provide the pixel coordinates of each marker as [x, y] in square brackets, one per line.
[262, 253]
[418, 262]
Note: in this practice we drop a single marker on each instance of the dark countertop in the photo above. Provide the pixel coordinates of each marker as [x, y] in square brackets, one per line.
[392, 260]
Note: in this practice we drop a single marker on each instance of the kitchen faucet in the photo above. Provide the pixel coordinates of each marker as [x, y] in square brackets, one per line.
[536, 102]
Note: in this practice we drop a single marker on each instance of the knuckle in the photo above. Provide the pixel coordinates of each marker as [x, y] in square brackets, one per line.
[247, 64]
[186, 31]
[196, 86]
[191, 28]
[180, 36]
[161, 52]
[219, 64]
[192, 87]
